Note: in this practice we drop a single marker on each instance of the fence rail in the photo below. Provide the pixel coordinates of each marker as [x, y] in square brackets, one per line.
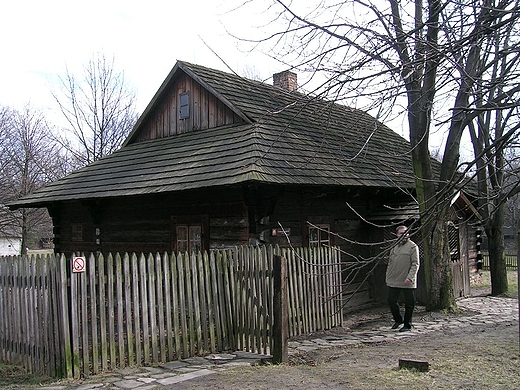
[137, 309]
[511, 262]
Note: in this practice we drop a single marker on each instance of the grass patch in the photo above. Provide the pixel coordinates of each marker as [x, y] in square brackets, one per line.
[512, 282]
[14, 377]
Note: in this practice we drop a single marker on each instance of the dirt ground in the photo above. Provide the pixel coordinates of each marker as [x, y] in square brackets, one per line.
[473, 357]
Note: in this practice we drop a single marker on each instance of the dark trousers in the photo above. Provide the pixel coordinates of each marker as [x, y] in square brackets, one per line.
[409, 304]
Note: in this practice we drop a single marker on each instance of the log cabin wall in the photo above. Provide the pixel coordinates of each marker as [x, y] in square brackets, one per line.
[324, 207]
[321, 207]
[143, 224]
[234, 216]
[204, 111]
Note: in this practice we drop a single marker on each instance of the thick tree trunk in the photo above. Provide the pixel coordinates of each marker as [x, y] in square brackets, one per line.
[497, 262]
[441, 277]
[433, 212]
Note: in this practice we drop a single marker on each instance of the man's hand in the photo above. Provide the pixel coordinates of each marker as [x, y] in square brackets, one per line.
[407, 281]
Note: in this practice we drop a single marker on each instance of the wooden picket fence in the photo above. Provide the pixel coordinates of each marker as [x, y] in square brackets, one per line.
[136, 309]
[510, 260]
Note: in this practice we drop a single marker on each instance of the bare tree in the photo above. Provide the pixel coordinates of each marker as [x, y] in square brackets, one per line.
[493, 134]
[426, 53]
[99, 107]
[8, 225]
[29, 159]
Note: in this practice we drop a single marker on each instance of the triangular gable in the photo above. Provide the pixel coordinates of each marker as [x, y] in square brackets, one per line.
[184, 103]
[461, 202]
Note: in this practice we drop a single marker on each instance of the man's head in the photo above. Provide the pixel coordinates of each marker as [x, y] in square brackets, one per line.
[402, 231]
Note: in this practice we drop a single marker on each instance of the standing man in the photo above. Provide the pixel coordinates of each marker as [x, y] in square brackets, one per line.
[401, 276]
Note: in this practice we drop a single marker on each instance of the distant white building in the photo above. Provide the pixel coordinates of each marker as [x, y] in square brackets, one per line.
[10, 246]
[10, 236]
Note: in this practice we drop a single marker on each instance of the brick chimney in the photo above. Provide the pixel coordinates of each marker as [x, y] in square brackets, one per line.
[286, 80]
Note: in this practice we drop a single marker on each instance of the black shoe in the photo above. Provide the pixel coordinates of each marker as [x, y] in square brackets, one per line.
[396, 325]
[406, 328]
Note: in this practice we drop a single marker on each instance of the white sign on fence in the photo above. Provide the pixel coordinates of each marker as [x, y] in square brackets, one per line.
[78, 264]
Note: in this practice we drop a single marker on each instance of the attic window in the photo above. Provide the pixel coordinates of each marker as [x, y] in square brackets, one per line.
[184, 106]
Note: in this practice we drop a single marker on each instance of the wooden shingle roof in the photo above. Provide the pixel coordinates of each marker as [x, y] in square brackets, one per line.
[286, 138]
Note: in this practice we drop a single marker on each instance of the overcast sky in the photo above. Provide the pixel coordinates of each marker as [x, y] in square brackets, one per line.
[42, 37]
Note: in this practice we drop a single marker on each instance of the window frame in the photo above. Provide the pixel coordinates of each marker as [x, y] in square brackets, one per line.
[324, 221]
[184, 105]
[188, 222]
[320, 229]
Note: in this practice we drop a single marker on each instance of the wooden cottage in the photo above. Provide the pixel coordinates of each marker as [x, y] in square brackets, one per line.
[217, 160]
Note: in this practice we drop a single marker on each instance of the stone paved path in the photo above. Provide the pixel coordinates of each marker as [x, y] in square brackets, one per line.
[490, 310]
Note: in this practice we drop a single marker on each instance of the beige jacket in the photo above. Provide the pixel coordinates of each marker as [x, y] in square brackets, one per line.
[403, 264]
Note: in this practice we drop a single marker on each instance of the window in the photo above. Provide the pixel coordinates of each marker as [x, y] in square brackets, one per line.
[189, 238]
[319, 235]
[184, 106]
[77, 232]
[189, 233]
[454, 244]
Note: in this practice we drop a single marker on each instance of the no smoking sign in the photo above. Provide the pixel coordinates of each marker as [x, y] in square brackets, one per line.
[78, 264]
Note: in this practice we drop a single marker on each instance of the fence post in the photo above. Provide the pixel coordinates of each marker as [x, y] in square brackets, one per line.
[280, 320]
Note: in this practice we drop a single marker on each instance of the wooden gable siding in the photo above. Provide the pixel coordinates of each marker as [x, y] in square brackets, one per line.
[206, 111]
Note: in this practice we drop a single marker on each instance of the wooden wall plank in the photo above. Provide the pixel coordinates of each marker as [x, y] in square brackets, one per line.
[168, 302]
[103, 317]
[205, 311]
[183, 292]
[111, 312]
[93, 298]
[160, 307]
[191, 339]
[134, 265]
[176, 304]
[74, 318]
[127, 274]
[215, 292]
[121, 352]
[143, 298]
[152, 307]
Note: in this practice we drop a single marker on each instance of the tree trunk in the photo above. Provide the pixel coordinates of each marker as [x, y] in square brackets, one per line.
[497, 262]
[25, 233]
[441, 277]
[433, 211]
